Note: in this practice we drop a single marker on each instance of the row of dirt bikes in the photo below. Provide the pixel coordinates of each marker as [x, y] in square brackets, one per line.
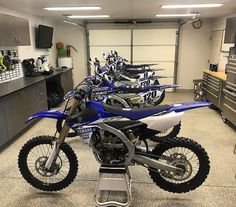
[117, 111]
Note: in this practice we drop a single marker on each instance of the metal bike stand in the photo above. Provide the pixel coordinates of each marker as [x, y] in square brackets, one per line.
[120, 183]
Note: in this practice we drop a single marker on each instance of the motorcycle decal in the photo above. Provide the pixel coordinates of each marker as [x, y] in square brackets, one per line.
[85, 130]
[146, 82]
[151, 95]
[86, 137]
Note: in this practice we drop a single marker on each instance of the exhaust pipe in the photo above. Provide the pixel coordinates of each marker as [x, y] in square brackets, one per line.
[152, 163]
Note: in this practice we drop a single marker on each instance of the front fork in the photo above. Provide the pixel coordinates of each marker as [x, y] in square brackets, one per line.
[63, 134]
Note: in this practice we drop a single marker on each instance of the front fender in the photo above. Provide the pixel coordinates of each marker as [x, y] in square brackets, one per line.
[52, 114]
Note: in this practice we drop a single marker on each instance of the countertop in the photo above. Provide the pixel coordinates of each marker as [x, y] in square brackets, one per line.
[14, 85]
[219, 75]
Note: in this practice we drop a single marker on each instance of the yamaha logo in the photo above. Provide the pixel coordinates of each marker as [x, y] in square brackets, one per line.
[85, 130]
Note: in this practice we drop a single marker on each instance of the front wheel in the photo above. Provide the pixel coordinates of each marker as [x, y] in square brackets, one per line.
[185, 154]
[161, 98]
[33, 157]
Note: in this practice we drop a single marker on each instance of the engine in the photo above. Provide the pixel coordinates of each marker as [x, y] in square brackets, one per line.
[108, 148]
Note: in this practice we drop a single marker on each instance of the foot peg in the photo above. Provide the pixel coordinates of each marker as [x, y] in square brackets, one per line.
[113, 180]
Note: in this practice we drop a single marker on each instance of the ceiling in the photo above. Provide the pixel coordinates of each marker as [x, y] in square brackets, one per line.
[118, 9]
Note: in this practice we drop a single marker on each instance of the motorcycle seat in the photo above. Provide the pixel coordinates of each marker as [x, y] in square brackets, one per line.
[136, 114]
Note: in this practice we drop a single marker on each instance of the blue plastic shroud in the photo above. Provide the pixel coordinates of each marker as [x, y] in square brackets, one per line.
[53, 114]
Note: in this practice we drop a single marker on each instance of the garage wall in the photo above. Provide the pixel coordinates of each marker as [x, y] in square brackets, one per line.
[31, 51]
[219, 50]
[194, 53]
[74, 35]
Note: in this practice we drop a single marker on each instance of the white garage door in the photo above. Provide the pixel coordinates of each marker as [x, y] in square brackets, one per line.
[148, 46]
[156, 46]
[106, 40]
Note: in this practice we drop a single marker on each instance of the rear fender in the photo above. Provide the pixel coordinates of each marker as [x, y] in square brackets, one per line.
[188, 106]
[52, 114]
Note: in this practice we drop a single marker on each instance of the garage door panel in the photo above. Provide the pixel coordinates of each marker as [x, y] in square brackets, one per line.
[154, 53]
[149, 46]
[167, 66]
[109, 37]
[154, 37]
[167, 81]
[96, 52]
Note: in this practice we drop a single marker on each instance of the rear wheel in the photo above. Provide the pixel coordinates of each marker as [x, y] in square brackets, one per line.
[55, 95]
[185, 154]
[33, 157]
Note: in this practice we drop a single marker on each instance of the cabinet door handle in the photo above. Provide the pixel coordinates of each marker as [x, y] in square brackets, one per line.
[229, 107]
[18, 38]
[229, 92]
[230, 71]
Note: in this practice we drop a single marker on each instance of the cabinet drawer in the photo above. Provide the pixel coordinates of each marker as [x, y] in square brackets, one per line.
[210, 96]
[232, 60]
[231, 75]
[232, 65]
[213, 79]
[231, 87]
[213, 82]
[229, 106]
[3, 126]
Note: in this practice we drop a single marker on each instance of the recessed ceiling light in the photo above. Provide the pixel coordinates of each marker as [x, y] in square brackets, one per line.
[73, 8]
[181, 6]
[175, 15]
[88, 16]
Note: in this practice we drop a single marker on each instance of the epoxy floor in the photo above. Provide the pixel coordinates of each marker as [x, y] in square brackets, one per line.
[203, 125]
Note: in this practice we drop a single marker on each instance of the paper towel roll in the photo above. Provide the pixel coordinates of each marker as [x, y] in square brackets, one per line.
[65, 62]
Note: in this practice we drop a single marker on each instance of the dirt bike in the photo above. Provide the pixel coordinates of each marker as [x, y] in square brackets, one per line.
[118, 137]
[125, 97]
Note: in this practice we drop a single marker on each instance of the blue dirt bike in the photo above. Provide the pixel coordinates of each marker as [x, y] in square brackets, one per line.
[118, 138]
[125, 97]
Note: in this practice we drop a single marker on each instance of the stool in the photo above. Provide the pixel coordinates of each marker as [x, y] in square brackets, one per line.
[109, 184]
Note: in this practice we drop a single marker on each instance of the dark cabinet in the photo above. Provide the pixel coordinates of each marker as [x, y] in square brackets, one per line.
[22, 31]
[7, 35]
[18, 106]
[35, 99]
[3, 127]
[15, 32]
[14, 113]
[67, 81]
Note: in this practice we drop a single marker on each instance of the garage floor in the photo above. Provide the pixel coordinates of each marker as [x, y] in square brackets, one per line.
[203, 125]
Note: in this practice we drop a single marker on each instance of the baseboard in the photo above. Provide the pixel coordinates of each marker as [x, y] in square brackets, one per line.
[184, 90]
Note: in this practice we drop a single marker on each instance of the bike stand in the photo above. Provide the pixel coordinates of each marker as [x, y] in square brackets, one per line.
[119, 182]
